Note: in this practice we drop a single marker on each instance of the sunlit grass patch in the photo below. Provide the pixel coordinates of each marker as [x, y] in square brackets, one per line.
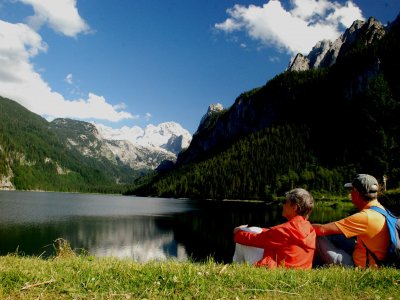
[85, 277]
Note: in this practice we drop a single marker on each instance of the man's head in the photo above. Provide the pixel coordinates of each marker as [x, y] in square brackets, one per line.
[366, 185]
[302, 199]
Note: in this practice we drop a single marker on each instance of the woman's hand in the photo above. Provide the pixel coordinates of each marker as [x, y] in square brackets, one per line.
[236, 229]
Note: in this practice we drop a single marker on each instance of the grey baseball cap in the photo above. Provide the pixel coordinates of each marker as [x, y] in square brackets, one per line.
[364, 183]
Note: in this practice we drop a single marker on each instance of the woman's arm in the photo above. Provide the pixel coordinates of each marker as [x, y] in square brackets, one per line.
[236, 229]
[326, 229]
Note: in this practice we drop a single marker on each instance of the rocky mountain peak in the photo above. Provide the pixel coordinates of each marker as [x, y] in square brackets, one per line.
[211, 111]
[325, 53]
[152, 136]
[165, 134]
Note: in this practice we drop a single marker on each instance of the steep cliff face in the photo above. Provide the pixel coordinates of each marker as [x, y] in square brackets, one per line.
[5, 180]
[325, 53]
[222, 127]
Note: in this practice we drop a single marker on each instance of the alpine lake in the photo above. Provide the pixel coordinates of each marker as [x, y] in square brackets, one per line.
[139, 228]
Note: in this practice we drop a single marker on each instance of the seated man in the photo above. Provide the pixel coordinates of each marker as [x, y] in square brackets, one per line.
[290, 245]
[367, 225]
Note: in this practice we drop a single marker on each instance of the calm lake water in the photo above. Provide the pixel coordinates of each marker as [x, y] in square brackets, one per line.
[133, 227]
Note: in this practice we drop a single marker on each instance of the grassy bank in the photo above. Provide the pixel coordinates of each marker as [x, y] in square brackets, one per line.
[85, 277]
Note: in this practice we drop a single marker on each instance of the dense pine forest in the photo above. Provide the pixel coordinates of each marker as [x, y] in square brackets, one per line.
[256, 167]
[314, 129]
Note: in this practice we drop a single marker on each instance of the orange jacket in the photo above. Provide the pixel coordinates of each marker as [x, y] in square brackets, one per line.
[291, 244]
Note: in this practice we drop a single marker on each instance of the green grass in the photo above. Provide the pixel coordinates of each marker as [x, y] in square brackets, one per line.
[86, 277]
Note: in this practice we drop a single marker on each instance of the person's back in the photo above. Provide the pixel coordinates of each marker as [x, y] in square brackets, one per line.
[367, 226]
[371, 231]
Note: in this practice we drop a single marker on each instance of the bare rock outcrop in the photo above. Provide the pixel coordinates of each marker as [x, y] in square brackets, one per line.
[325, 53]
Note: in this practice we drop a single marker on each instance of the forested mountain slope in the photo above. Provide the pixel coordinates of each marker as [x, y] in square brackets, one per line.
[34, 156]
[313, 128]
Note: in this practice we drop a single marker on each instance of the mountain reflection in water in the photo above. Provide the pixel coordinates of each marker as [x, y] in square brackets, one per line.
[139, 238]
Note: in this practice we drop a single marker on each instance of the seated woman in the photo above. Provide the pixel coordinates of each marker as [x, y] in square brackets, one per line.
[289, 245]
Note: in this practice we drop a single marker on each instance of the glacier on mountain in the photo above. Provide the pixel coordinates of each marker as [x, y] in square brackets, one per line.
[150, 137]
[145, 148]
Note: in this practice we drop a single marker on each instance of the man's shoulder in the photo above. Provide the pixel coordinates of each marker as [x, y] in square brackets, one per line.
[358, 217]
[373, 203]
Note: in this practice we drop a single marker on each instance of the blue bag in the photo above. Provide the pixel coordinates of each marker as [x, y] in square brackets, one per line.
[393, 224]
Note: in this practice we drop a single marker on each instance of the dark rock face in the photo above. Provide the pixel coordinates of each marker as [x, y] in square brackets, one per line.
[174, 144]
[244, 117]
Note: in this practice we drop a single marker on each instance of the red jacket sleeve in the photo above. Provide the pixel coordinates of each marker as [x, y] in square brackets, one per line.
[297, 231]
[274, 237]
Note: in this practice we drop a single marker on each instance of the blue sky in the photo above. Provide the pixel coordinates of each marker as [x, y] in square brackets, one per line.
[139, 62]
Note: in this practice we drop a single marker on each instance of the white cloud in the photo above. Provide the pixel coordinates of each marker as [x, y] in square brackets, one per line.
[346, 15]
[60, 15]
[119, 106]
[18, 43]
[295, 30]
[19, 81]
[148, 116]
[131, 134]
[309, 9]
[274, 59]
[93, 107]
[68, 79]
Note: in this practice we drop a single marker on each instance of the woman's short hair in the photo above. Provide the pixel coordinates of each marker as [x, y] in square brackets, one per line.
[303, 199]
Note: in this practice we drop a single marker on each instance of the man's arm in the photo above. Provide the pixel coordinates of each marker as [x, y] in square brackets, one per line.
[326, 229]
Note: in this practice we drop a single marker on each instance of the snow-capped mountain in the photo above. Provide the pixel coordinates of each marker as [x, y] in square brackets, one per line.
[145, 148]
[132, 146]
[169, 136]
